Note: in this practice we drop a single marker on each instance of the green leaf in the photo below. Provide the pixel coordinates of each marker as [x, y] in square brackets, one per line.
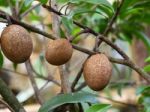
[34, 17]
[99, 108]
[79, 10]
[43, 1]
[142, 89]
[37, 9]
[96, 2]
[28, 2]
[38, 65]
[1, 60]
[68, 23]
[129, 11]
[2, 3]
[147, 68]
[62, 1]
[147, 59]
[67, 98]
[143, 3]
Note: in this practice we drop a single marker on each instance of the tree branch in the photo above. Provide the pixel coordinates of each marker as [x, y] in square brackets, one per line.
[107, 41]
[10, 98]
[31, 77]
[125, 62]
[113, 19]
[77, 79]
[5, 104]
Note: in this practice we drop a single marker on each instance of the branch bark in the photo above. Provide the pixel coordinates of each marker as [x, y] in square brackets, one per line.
[113, 19]
[125, 62]
[10, 98]
[34, 85]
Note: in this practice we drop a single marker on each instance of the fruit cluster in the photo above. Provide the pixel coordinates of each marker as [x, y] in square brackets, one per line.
[17, 46]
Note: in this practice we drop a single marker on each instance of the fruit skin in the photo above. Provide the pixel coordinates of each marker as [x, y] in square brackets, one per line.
[58, 51]
[97, 71]
[16, 43]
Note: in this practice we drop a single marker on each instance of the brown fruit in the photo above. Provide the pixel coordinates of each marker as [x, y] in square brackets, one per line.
[16, 43]
[58, 51]
[97, 71]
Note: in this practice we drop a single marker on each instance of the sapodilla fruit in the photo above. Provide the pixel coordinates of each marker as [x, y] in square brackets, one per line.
[16, 43]
[58, 51]
[97, 71]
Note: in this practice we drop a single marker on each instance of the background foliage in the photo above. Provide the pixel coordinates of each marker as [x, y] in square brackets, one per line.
[131, 23]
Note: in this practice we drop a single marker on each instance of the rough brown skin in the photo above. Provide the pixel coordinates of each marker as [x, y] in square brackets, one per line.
[16, 43]
[97, 71]
[58, 52]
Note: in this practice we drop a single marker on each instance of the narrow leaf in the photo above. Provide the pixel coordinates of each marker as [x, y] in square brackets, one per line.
[28, 2]
[147, 68]
[67, 98]
[99, 108]
[141, 89]
[43, 1]
[68, 24]
[97, 2]
[147, 59]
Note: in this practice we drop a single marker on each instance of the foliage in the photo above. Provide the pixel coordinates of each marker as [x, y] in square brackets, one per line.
[144, 99]
[67, 98]
[131, 23]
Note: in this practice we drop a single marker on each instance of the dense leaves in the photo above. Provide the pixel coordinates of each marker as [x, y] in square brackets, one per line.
[131, 23]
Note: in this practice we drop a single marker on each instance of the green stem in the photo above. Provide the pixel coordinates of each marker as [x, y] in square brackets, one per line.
[10, 98]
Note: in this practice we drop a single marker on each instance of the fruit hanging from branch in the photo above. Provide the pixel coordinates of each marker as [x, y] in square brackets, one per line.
[58, 51]
[16, 43]
[97, 71]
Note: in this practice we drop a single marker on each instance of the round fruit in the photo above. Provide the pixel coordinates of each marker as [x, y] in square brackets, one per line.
[97, 71]
[16, 43]
[58, 51]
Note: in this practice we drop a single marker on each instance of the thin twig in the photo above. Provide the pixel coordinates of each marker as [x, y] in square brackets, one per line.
[49, 78]
[5, 104]
[8, 70]
[125, 62]
[63, 7]
[111, 22]
[34, 85]
[106, 40]
[17, 7]
[113, 19]
[44, 86]
[66, 9]
[82, 85]
[49, 8]
[77, 79]
[65, 85]
[119, 102]
[78, 34]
